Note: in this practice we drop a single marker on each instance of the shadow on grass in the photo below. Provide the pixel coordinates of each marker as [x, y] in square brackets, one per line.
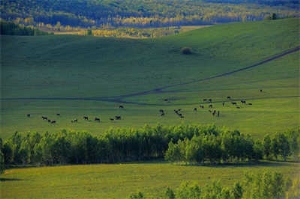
[9, 179]
[245, 164]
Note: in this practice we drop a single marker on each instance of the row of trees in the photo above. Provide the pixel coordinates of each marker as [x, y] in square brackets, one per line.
[182, 143]
[10, 28]
[228, 146]
[140, 13]
[263, 186]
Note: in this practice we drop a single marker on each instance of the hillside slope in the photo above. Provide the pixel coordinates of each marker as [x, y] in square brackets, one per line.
[76, 76]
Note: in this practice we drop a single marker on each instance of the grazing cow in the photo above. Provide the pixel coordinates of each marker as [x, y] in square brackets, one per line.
[223, 103]
[228, 97]
[238, 107]
[86, 117]
[111, 119]
[261, 90]
[49, 120]
[210, 106]
[214, 112]
[97, 119]
[162, 114]
[28, 115]
[118, 117]
[121, 106]
[243, 101]
[195, 109]
[166, 100]
[210, 100]
[44, 118]
[53, 122]
[233, 103]
[74, 120]
[204, 100]
[58, 114]
[201, 106]
[250, 104]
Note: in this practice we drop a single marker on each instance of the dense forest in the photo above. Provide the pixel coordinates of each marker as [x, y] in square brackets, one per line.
[187, 144]
[55, 14]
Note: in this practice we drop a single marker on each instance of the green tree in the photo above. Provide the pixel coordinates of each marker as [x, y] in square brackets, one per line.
[267, 146]
[2, 162]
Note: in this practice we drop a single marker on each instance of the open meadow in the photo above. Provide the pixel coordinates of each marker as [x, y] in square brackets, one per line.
[241, 76]
[120, 180]
[77, 76]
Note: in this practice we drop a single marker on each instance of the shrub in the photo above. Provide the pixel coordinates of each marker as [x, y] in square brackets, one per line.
[186, 50]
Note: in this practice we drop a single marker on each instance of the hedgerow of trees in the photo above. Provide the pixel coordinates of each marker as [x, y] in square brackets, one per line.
[265, 185]
[10, 28]
[187, 144]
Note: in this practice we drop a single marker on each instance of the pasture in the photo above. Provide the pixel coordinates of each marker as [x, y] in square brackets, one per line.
[121, 180]
[78, 76]
[67, 77]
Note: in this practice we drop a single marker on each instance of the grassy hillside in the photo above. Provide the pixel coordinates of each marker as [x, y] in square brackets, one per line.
[77, 76]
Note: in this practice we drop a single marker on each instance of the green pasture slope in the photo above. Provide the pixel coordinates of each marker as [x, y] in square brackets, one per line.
[78, 76]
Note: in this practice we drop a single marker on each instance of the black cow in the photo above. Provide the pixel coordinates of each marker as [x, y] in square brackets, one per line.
[118, 117]
[53, 122]
[195, 109]
[121, 106]
[44, 118]
[58, 114]
[97, 119]
[111, 119]
[210, 106]
[86, 117]
[28, 115]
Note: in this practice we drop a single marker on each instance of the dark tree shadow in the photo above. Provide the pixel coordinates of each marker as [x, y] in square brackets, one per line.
[10, 179]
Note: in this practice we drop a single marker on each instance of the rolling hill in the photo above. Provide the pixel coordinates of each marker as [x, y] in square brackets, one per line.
[81, 75]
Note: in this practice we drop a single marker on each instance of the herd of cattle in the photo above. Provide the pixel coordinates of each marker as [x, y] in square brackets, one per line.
[206, 103]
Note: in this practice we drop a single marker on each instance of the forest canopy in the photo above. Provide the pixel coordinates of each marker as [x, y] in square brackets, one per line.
[141, 13]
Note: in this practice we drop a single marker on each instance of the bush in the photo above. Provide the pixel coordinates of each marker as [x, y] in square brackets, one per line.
[186, 50]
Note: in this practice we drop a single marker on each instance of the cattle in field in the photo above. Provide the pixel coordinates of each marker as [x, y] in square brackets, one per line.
[218, 114]
[58, 114]
[121, 106]
[118, 117]
[204, 100]
[49, 120]
[97, 119]
[74, 120]
[210, 106]
[250, 104]
[195, 109]
[210, 100]
[201, 106]
[243, 101]
[53, 122]
[85, 117]
[238, 107]
[111, 119]
[28, 115]
[261, 90]
[223, 103]
[228, 97]
[233, 103]
[44, 118]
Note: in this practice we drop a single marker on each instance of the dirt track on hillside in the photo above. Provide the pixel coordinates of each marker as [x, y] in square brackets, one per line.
[121, 98]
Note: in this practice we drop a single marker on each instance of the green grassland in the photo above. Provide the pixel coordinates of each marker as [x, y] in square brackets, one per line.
[77, 75]
[120, 180]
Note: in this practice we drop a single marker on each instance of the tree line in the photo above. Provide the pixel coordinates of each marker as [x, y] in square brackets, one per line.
[10, 28]
[140, 13]
[191, 144]
[265, 185]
